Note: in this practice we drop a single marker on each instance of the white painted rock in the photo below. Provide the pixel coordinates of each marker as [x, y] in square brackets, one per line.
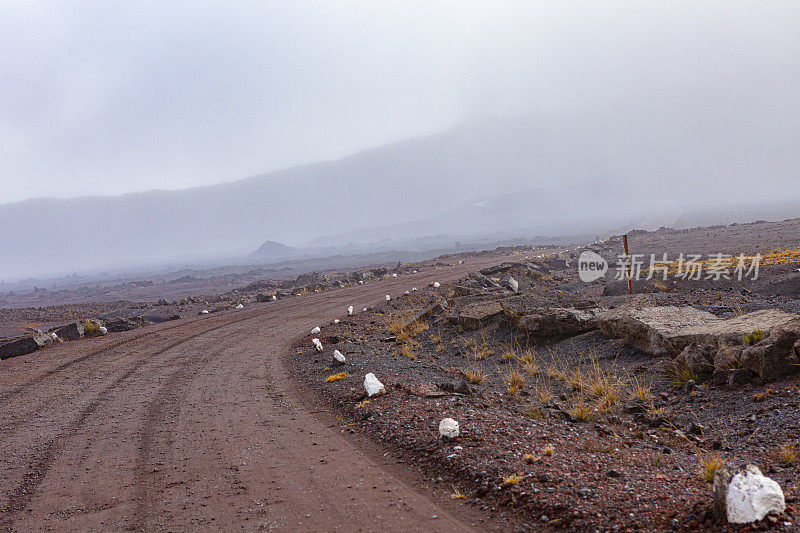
[752, 495]
[336, 320]
[350, 310]
[274, 297]
[315, 330]
[406, 292]
[54, 336]
[373, 386]
[103, 330]
[317, 344]
[514, 284]
[360, 282]
[388, 298]
[339, 357]
[394, 275]
[204, 312]
[436, 285]
[413, 289]
[240, 306]
[448, 428]
[366, 309]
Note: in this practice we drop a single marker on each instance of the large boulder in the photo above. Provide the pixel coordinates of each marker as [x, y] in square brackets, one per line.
[481, 280]
[743, 495]
[547, 322]
[501, 268]
[70, 332]
[776, 356]
[667, 330]
[125, 324]
[699, 358]
[24, 345]
[477, 315]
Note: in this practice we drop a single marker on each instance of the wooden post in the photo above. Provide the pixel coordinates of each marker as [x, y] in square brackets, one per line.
[627, 253]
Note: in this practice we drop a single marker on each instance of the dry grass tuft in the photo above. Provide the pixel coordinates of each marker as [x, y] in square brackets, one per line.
[786, 453]
[336, 377]
[709, 464]
[682, 373]
[474, 375]
[529, 458]
[582, 412]
[639, 391]
[534, 412]
[400, 327]
[513, 479]
[457, 495]
[407, 351]
[514, 381]
[543, 394]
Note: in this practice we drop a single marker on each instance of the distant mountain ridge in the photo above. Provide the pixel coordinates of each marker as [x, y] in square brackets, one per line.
[565, 173]
[272, 251]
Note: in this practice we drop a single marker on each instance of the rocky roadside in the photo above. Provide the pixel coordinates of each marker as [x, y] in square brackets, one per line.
[578, 408]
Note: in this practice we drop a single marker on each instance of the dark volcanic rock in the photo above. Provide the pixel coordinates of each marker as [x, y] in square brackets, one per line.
[70, 332]
[124, 324]
[24, 345]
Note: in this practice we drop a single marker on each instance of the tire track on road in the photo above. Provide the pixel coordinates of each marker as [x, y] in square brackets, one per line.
[22, 494]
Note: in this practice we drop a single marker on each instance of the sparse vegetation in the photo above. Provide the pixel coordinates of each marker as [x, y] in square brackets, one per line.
[509, 356]
[529, 458]
[762, 396]
[682, 373]
[753, 338]
[407, 350]
[638, 391]
[479, 350]
[91, 329]
[709, 464]
[786, 453]
[514, 381]
[474, 375]
[582, 412]
[512, 479]
[543, 394]
[534, 412]
[336, 377]
[402, 327]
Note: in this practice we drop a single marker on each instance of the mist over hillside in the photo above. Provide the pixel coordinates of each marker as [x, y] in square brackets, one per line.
[536, 175]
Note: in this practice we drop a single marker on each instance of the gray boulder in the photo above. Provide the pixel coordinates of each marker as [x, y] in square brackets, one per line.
[667, 330]
[548, 322]
[776, 356]
[478, 314]
[699, 358]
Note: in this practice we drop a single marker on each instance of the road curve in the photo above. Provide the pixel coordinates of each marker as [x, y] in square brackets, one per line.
[198, 424]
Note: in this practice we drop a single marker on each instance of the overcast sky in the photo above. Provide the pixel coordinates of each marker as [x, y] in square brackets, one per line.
[113, 97]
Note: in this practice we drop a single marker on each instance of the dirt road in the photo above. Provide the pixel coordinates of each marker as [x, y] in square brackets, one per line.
[199, 424]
